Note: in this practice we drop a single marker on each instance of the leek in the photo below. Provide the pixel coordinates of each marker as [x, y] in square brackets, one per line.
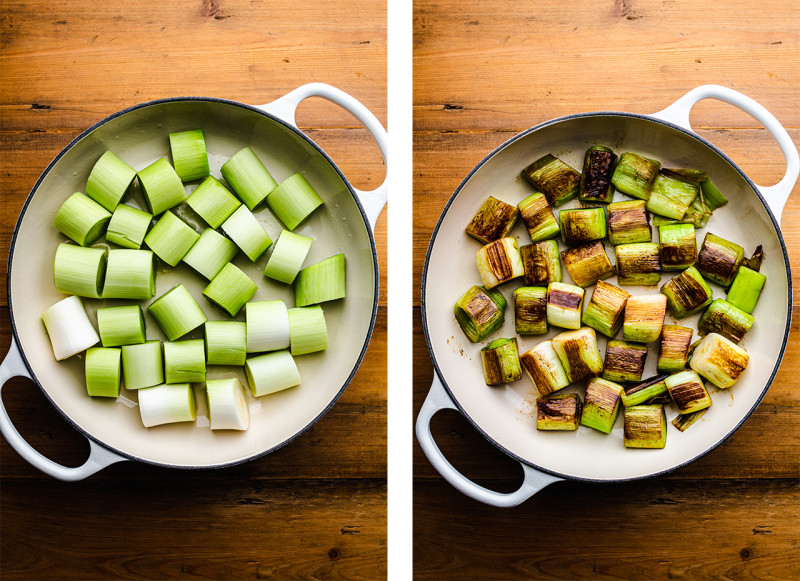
[142, 365]
[538, 217]
[544, 368]
[185, 361]
[564, 303]
[171, 238]
[635, 175]
[678, 246]
[598, 167]
[687, 391]
[628, 222]
[719, 360]
[128, 226]
[638, 264]
[227, 404]
[558, 412]
[210, 253]
[248, 177]
[176, 312]
[624, 362]
[245, 230]
[69, 328]
[226, 342]
[530, 310]
[582, 225]
[558, 181]
[287, 256]
[604, 313]
[601, 404]
[267, 326]
[308, 332]
[130, 274]
[230, 289]
[645, 426]
[499, 262]
[108, 181]
[587, 264]
[189, 154]
[675, 341]
[102, 368]
[671, 196]
[212, 202]
[167, 404]
[686, 293]
[578, 353]
[684, 421]
[719, 259]
[161, 186]
[745, 289]
[479, 312]
[82, 219]
[540, 263]
[321, 282]
[494, 220]
[729, 321]
[293, 201]
[645, 391]
[644, 317]
[121, 325]
[500, 360]
[80, 271]
[271, 372]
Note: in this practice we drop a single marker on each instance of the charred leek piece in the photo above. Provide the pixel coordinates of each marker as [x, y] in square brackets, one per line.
[582, 225]
[538, 217]
[185, 361]
[227, 404]
[494, 220]
[226, 342]
[644, 317]
[558, 412]
[530, 310]
[213, 202]
[79, 271]
[687, 391]
[189, 154]
[541, 263]
[247, 232]
[230, 289]
[678, 246]
[645, 426]
[645, 391]
[605, 309]
[719, 259]
[628, 222]
[587, 264]
[267, 326]
[176, 312]
[69, 328]
[564, 303]
[687, 293]
[171, 238]
[638, 264]
[598, 167]
[578, 353]
[754, 262]
[671, 196]
[82, 219]
[130, 274]
[723, 318]
[320, 282]
[167, 404]
[746, 288]
[675, 341]
[480, 312]
[624, 362]
[308, 331]
[121, 325]
[287, 257]
[271, 372]
[109, 180]
[162, 187]
[103, 368]
[558, 181]
[601, 404]
[635, 175]
[142, 365]
[128, 226]
[500, 360]
[248, 177]
[544, 368]
[210, 253]
[293, 201]
[683, 421]
[719, 360]
[499, 262]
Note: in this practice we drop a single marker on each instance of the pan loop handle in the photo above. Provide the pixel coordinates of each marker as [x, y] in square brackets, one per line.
[99, 457]
[678, 113]
[438, 399]
[373, 201]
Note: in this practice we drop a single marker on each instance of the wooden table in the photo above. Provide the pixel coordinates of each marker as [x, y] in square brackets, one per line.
[485, 71]
[314, 509]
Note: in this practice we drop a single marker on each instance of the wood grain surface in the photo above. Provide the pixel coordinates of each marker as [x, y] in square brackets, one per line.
[482, 73]
[314, 509]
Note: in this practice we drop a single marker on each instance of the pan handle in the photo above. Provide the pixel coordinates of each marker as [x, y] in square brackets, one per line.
[99, 457]
[285, 108]
[438, 399]
[776, 196]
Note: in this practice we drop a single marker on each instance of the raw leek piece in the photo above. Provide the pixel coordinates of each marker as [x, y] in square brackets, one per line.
[287, 257]
[719, 259]
[645, 426]
[601, 404]
[745, 289]
[213, 202]
[684, 421]
[670, 196]
[538, 217]
[293, 201]
[644, 317]
[530, 310]
[167, 404]
[78, 270]
[185, 361]
[500, 360]
[555, 179]
[267, 326]
[598, 167]
[558, 412]
[245, 230]
[271, 372]
[130, 274]
[635, 175]
[480, 312]
[687, 293]
[678, 246]
[108, 181]
[587, 263]
[210, 253]
[227, 404]
[248, 177]
[171, 238]
[122, 325]
[226, 342]
[308, 332]
[162, 187]
[82, 219]
[638, 264]
[580, 225]
[645, 391]
[675, 341]
[604, 313]
[564, 302]
[321, 282]
[578, 353]
[103, 367]
[729, 321]
[142, 365]
[624, 361]
[687, 391]
[544, 368]
[230, 289]
[540, 263]
[494, 220]
[628, 222]
[69, 328]
[499, 262]
[128, 226]
[719, 360]
[189, 154]
[176, 312]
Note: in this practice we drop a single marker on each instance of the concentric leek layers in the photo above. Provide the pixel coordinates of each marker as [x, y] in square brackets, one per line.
[108, 181]
[287, 257]
[644, 317]
[578, 353]
[171, 238]
[564, 303]
[248, 177]
[293, 201]
[540, 263]
[638, 264]
[557, 180]
[167, 404]
[544, 368]
[624, 361]
[538, 217]
[601, 404]
[321, 282]
[79, 271]
[122, 325]
[130, 274]
[558, 412]
[719, 360]
[210, 253]
[628, 222]
[308, 331]
[245, 230]
[189, 154]
[226, 342]
[530, 310]
[719, 259]
[675, 341]
[687, 391]
[587, 264]
[605, 310]
[493, 220]
[69, 328]
[82, 219]
[500, 360]
[499, 262]
[686, 293]
[177, 313]
[103, 367]
[598, 167]
[142, 365]
[645, 426]
[580, 225]
[128, 226]
[479, 312]
[723, 318]
[678, 246]
[635, 175]
[162, 187]
[185, 361]
[230, 289]
[213, 202]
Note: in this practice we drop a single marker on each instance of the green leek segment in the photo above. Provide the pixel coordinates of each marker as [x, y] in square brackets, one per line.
[745, 289]
[142, 365]
[271, 372]
[248, 177]
[493, 220]
[635, 175]
[210, 253]
[82, 219]
[189, 154]
[245, 230]
[79, 271]
[128, 226]
[500, 360]
[171, 238]
[185, 361]
[130, 274]
[480, 312]
[293, 201]
[321, 282]
[121, 325]
[230, 289]
[226, 342]
[162, 187]
[213, 202]
[288, 256]
[308, 330]
[558, 181]
[177, 313]
[108, 181]
[103, 370]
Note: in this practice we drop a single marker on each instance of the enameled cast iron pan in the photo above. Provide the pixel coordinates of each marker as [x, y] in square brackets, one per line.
[139, 135]
[506, 415]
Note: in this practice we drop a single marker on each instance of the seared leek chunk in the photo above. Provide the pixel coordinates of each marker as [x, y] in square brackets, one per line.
[493, 221]
[645, 426]
[635, 175]
[686, 293]
[683, 421]
[558, 412]
[582, 225]
[480, 312]
[638, 264]
[628, 222]
[541, 263]
[687, 391]
[671, 196]
[723, 318]
[675, 341]
[500, 360]
[564, 305]
[719, 259]
[719, 360]
[644, 317]
[678, 246]
[645, 391]
[601, 404]
[598, 167]
[530, 310]
[538, 217]
[605, 308]
[578, 353]
[587, 264]
[754, 262]
[746, 288]
[558, 181]
[544, 368]
[499, 262]
[624, 362]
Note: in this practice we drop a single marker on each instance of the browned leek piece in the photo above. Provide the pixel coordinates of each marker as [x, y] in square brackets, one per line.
[644, 317]
[645, 426]
[479, 312]
[541, 263]
[544, 368]
[687, 293]
[494, 220]
[635, 175]
[501, 362]
[719, 259]
[530, 310]
[538, 217]
[678, 246]
[719, 360]
[638, 264]
[684, 421]
[601, 404]
[578, 353]
[558, 412]
[624, 361]
[605, 309]
[587, 264]
[687, 391]
[628, 222]
[645, 392]
[675, 341]
[555, 179]
[729, 321]
[564, 303]
[499, 262]
[598, 167]
[580, 225]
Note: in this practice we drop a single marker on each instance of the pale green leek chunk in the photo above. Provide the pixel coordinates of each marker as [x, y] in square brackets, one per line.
[167, 404]
[162, 187]
[245, 230]
[79, 271]
[293, 201]
[248, 177]
[271, 372]
[128, 226]
[82, 219]
[177, 313]
[130, 274]
[121, 325]
[213, 202]
[227, 404]
[267, 326]
[109, 179]
[210, 253]
[171, 238]
[321, 282]
[287, 257]
[746, 288]
[103, 368]
[308, 330]
[189, 154]
[185, 361]
[142, 365]
[230, 289]
[226, 342]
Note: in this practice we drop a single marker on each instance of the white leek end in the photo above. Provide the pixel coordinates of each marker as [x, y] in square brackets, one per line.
[69, 328]
[267, 326]
[227, 404]
[167, 404]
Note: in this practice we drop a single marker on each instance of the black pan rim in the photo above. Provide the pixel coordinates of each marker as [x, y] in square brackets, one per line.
[518, 136]
[297, 132]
